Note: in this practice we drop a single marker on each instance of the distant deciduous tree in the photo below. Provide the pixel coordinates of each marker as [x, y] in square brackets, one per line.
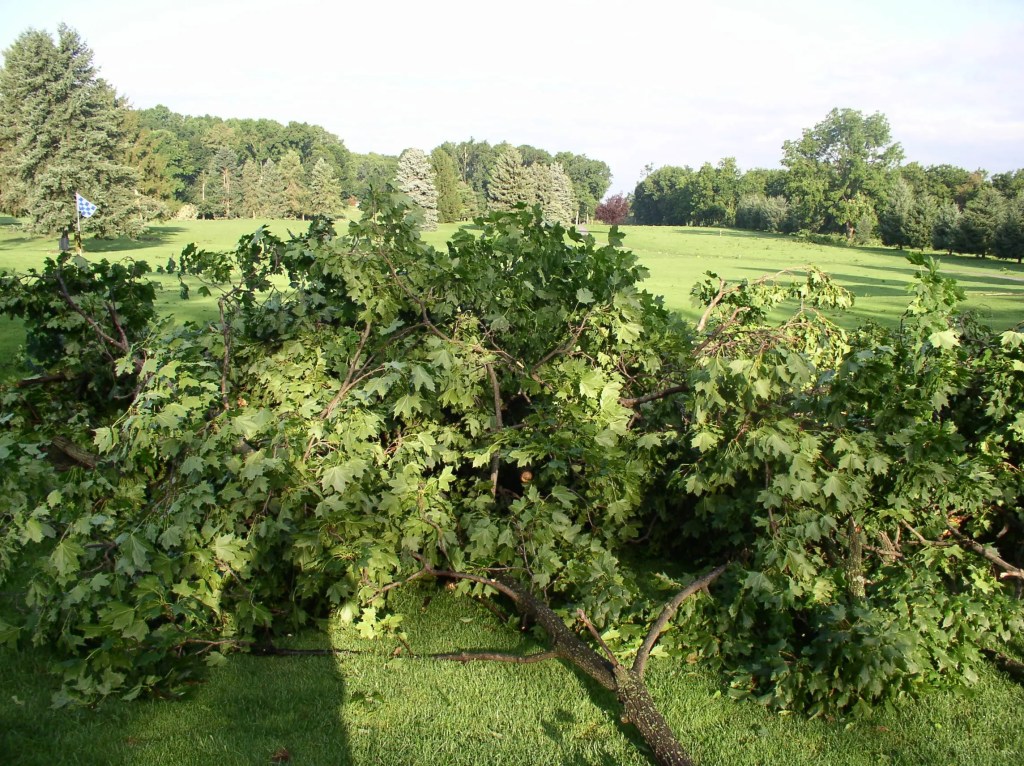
[838, 167]
[415, 177]
[760, 213]
[613, 211]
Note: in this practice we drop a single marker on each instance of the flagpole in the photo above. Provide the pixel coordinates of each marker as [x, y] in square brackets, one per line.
[78, 224]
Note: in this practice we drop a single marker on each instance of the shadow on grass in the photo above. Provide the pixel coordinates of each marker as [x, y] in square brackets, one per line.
[252, 710]
[714, 231]
[156, 236]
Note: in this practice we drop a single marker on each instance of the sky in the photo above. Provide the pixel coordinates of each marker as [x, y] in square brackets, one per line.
[633, 83]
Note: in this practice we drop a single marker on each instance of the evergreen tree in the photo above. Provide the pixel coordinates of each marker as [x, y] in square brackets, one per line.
[415, 177]
[507, 185]
[978, 222]
[272, 191]
[324, 196]
[946, 227]
[446, 181]
[563, 199]
[249, 192]
[293, 188]
[219, 198]
[1008, 237]
[63, 130]
[537, 187]
[895, 214]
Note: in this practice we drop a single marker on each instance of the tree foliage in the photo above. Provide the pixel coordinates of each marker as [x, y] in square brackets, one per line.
[513, 411]
[62, 131]
[614, 210]
[838, 167]
[415, 177]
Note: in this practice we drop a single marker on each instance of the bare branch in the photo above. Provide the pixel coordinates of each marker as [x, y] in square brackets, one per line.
[667, 613]
[597, 637]
[66, 295]
[498, 425]
[663, 394]
[518, 659]
[711, 306]
[1009, 570]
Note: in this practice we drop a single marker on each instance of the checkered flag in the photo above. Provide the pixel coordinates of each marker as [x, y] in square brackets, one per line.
[85, 207]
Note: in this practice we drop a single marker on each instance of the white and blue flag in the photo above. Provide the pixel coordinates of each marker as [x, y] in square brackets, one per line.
[85, 207]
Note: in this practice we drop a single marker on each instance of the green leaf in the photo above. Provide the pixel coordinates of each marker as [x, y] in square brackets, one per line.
[584, 296]
[338, 477]
[946, 339]
[407, 405]
[105, 439]
[65, 557]
[421, 379]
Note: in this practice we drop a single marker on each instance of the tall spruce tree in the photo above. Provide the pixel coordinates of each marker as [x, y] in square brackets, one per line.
[63, 130]
[563, 199]
[507, 185]
[324, 191]
[415, 177]
[446, 181]
[294, 191]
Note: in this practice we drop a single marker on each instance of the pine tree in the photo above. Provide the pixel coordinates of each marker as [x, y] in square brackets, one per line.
[324, 197]
[272, 191]
[446, 181]
[249, 192]
[294, 191]
[415, 177]
[507, 185]
[63, 130]
[220, 185]
[537, 187]
[563, 199]
[946, 227]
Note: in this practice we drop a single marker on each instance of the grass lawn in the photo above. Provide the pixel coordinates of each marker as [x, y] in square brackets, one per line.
[676, 257]
[370, 707]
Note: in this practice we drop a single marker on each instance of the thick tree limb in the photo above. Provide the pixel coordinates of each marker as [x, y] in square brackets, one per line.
[42, 380]
[667, 613]
[663, 394]
[627, 683]
[74, 452]
[711, 306]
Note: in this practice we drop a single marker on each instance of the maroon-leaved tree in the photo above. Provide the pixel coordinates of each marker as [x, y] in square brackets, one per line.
[614, 210]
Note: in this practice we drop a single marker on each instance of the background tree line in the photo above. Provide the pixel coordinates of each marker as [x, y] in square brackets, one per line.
[845, 177]
[63, 129]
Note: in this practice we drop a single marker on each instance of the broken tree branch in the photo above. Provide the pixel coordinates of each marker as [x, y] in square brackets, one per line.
[667, 613]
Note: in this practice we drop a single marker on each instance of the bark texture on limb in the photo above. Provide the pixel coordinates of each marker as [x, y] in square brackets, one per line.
[639, 707]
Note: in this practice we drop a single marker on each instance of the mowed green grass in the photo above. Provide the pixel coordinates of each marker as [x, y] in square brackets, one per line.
[370, 706]
[676, 257]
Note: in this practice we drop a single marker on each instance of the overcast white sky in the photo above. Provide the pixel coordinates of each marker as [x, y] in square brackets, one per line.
[629, 82]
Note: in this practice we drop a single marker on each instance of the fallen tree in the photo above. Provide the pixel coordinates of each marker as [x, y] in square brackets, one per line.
[515, 414]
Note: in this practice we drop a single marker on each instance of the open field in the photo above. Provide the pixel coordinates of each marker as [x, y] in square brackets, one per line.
[676, 257]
